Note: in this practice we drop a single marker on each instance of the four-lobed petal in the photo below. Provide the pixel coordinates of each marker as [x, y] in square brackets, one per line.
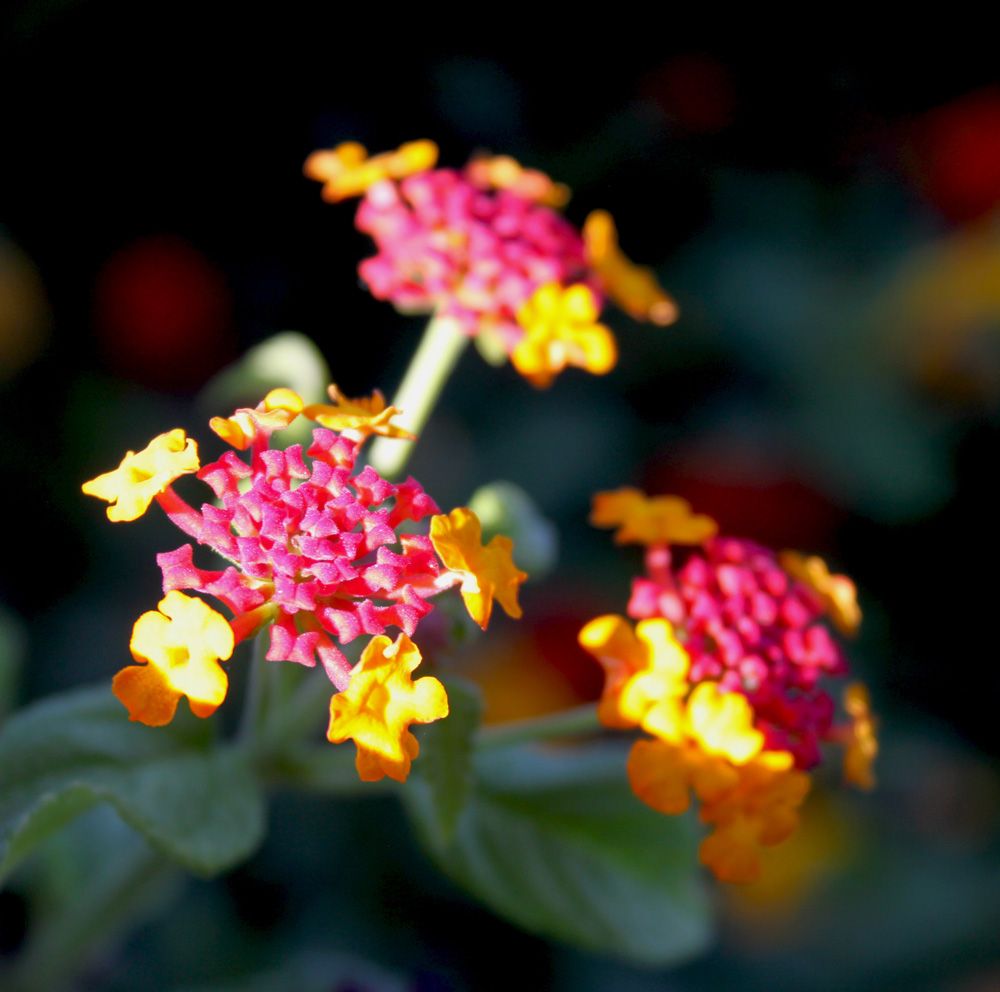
[650, 520]
[379, 704]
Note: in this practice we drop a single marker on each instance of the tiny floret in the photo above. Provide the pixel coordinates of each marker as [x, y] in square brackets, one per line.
[641, 519]
[178, 648]
[379, 704]
[560, 328]
[347, 170]
[486, 572]
[361, 417]
[837, 592]
[144, 475]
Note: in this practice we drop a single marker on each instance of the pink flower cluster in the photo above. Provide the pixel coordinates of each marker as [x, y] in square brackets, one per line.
[314, 548]
[748, 625]
[471, 253]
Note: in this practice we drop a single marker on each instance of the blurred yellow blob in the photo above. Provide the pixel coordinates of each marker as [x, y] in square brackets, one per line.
[363, 416]
[504, 172]
[380, 703]
[560, 329]
[143, 475]
[181, 647]
[838, 592]
[487, 572]
[632, 287]
[722, 724]
[276, 411]
[648, 520]
[644, 668]
[861, 744]
[347, 170]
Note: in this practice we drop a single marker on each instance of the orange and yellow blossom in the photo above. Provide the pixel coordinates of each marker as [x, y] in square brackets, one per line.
[560, 328]
[486, 572]
[179, 649]
[837, 592]
[274, 413]
[633, 287]
[860, 738]
[144, 475]
[650, 520]
[379, 704]
[348, 170]
[363, 416]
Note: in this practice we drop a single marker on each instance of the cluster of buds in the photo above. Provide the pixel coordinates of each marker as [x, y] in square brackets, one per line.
[725, 670]
[315, 559]
[487, 249]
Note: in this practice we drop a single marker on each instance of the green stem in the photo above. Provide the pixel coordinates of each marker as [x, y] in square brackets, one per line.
[576, 722]
[255, 701]
[428, 371]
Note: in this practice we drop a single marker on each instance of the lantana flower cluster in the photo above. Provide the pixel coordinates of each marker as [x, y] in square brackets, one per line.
[315, 557]
[725, 670]
[487, 249]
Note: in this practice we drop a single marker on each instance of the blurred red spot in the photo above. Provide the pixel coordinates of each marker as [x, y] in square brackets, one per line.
[696, 91]
[957, 155]
[163, 313]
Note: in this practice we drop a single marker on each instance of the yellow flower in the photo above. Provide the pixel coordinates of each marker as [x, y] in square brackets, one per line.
[347, 170]
[634, 288]
[645, 669]
[488, 572]
[274, 413]
[380, 703]
[504, 172]
[722, 723]
[365, 415]
[838, 592]
[180, 648]
[560, 329]
[142, 476]
[643, 519]
[861, 744]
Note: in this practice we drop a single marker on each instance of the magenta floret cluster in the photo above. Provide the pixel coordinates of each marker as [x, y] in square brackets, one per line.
[748, 625]
[469, 253]
[314, 549]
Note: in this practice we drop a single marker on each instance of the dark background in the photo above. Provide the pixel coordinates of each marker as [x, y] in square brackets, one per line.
[829, 227]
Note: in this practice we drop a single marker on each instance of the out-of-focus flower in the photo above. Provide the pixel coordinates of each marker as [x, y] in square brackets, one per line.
[179, 649]
[641, 519]
[838, 592]
[486, 572]
[379, 705]
[633, 287]
[732, 697]
[560, 329]
[347, 170]
[474, 246]
[315, 555]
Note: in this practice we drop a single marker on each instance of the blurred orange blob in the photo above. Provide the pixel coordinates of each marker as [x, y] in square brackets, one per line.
[163, 314]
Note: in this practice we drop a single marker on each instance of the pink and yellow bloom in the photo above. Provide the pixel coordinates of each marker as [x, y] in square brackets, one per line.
[738, 716]
[478, 246]
[316, 558]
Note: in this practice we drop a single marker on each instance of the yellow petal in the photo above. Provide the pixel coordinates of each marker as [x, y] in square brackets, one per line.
[651, 520]
[143, 475]
[347, 171]
[365, 415]
[380, 703]
[722, 723]
[487, 573]
[658, 774]
[837, 592]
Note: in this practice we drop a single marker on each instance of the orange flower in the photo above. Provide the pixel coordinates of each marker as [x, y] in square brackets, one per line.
[560, 329]
[180, 648]
[347, 170]
[650, 520]
[838, 592]
[861, 738]
[380, 703]
[487, 572]
[643, 668]
[362, 417]
[142, 476]
[274, 413]
[504, 172]
[634, 288]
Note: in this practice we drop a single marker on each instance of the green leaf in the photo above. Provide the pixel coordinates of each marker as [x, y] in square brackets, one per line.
[202, 808]
[555, 841]
[444, 766]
